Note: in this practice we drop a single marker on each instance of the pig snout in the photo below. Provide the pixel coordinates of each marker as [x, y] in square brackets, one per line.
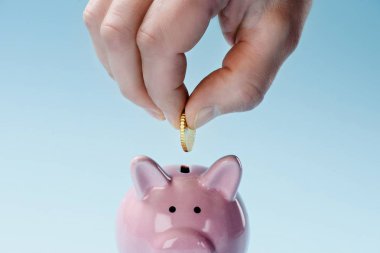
[183, 241]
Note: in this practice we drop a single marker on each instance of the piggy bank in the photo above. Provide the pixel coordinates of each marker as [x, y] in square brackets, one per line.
[183, 209]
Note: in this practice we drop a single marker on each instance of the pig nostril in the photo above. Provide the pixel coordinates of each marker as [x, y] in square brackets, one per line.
[197, 209]
[172, 209]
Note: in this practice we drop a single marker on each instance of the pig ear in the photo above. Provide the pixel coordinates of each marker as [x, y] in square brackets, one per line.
[224, 176]
[147, 174]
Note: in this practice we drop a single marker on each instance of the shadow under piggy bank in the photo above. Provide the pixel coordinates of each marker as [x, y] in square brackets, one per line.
[183, 209]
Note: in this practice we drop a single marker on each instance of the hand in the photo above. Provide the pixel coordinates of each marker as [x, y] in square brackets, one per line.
[141, 43]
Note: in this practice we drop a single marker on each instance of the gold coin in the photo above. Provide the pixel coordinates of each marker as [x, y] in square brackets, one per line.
[187, 135]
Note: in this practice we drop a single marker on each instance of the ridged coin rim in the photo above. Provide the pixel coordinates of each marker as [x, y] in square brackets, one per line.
[183, 127]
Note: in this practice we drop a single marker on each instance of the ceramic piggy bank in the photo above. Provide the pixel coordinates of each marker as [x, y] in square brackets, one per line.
[183, 209]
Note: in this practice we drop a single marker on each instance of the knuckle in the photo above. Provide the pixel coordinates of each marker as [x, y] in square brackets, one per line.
[109, 31]
[294, 38]
[90, 18]
[114, 33]
[294, 35]
[146, 39]
[293, 17]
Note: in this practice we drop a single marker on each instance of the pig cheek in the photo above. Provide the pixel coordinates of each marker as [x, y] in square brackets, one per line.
[158, 205]
[133, 232]
[215, 225]
[221, 216]
[139, 220]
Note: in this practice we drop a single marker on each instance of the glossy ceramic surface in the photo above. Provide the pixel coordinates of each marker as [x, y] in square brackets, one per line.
[183, 209]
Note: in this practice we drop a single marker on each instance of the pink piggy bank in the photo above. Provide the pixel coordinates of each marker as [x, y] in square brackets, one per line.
[183, 209]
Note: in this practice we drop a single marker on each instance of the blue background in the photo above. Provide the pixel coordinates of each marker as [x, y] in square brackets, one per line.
[310, 151]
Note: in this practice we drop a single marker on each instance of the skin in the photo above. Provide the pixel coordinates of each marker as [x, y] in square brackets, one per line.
[142, 45]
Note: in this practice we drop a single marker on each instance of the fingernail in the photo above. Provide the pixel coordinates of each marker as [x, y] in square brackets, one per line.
[156, 113]
[205, 115]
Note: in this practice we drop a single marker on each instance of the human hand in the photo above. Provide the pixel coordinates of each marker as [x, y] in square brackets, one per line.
[141, 43]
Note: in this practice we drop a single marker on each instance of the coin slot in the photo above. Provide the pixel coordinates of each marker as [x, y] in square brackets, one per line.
[185, 169]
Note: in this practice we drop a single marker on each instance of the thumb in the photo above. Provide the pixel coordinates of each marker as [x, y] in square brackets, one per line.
[247, 71]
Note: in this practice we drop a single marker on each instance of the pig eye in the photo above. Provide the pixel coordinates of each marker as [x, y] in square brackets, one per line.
[197, 209]
[172, 209]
